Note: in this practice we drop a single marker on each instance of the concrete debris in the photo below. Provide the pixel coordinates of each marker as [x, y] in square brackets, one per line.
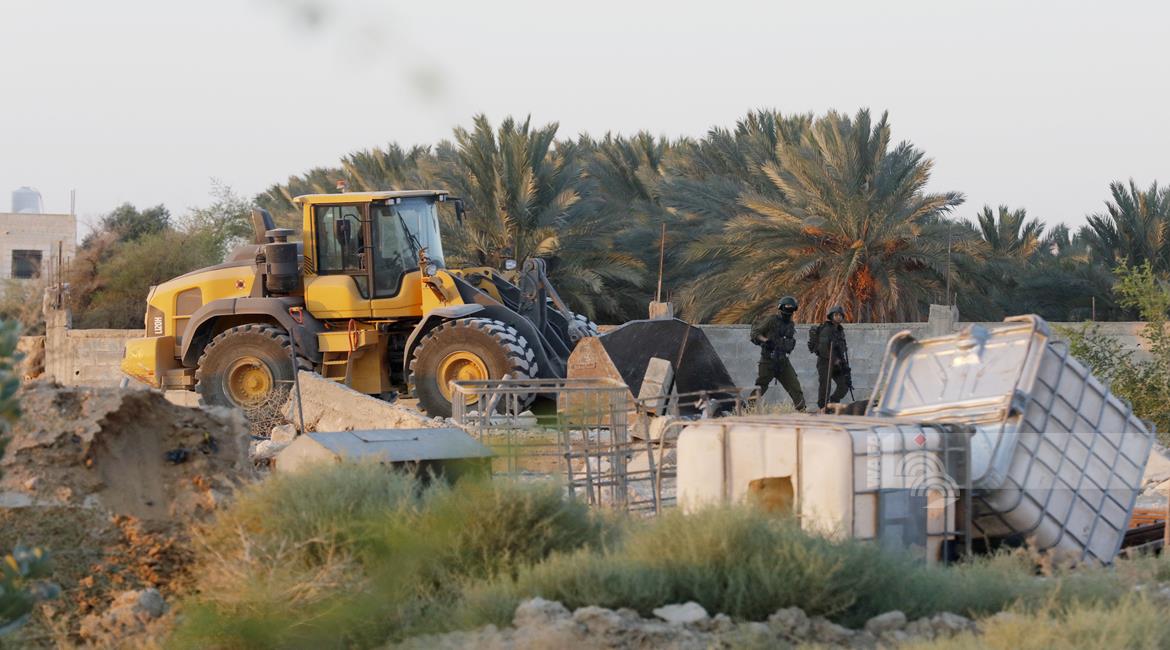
[266, 449]
[1157, 467]
[128, 451]
[283, 434]
[540, 623]
[684, 614]
[330, 406]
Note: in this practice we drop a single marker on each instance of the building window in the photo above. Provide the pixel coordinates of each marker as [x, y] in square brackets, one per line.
[26, 264]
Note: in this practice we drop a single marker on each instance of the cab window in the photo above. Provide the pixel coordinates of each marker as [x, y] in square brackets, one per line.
[340, 241]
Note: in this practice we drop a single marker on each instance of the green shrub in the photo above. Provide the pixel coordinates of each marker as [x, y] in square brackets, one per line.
[355, 554]
[1145, 383]
[745, 564]
[1134, 622]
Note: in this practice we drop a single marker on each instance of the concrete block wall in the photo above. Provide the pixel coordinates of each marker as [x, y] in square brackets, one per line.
[867, 344]
[84, 357]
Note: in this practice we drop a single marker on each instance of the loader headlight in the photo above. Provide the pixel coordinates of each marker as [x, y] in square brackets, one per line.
[509, 265]
[431, 269]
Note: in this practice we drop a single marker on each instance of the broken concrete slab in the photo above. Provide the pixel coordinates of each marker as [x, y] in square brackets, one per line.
[448, 451]
[1158, 466]
[330, 406]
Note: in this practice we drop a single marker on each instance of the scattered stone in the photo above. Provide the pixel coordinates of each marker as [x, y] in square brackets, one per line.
[921, 628]
[266, 449]
[791, 622]
[541, 623]
[537, 611]
[128, 616]
[685, 614]
[885, 623]
[948, 624]
[826, 631]
[151, 602]
[598, 620]
[283, 433]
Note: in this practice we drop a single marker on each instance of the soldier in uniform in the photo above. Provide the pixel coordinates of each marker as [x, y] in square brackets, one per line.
[776, 336]
[832, 358]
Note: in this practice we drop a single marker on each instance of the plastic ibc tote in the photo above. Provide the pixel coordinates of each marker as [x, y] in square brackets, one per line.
[1057, 459]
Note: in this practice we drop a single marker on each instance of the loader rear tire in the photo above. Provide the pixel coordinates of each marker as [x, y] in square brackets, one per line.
[248, 366]
[467, 349]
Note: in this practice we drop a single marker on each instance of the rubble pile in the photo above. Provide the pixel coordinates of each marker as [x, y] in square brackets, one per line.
[540, 623]
[128, 452]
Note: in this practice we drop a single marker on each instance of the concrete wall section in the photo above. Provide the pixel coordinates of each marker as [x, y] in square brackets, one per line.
[84, 357]
[867, 343]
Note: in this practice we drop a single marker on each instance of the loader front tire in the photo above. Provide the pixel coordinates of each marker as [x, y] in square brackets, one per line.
[467, 349]
[248, 366]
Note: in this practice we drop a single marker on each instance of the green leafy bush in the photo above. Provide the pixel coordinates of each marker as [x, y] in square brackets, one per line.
[361, 554]
[1144, 382]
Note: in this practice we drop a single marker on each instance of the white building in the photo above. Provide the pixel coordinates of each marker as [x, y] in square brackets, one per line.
[29, 241]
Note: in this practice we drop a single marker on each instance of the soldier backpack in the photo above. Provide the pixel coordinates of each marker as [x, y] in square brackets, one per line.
[814, 336]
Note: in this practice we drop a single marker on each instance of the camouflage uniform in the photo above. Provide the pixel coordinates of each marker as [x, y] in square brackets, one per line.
[780, 332]
[832, 363]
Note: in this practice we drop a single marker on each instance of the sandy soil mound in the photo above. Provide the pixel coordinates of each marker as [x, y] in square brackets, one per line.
[127, 451]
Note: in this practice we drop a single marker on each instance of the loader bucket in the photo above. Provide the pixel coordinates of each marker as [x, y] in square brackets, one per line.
[623, 354]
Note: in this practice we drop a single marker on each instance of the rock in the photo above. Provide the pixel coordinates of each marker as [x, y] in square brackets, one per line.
[129, 615]
[948, 624]
[267, 449]
[687, 613]
[1158, 465]
[31, 484]
[283, 434]
[921, 629]
[598, 620]
[151, 602]
[826, 631]
[884, 623]
[721, 623]
[538, 611]
[791, 622]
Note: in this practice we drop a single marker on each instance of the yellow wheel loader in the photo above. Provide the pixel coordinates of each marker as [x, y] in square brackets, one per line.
[366, 299]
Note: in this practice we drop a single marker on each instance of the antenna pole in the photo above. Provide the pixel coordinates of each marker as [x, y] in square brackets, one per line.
[661, 257]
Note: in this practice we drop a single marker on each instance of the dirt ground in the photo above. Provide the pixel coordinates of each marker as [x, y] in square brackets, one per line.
[108, 481]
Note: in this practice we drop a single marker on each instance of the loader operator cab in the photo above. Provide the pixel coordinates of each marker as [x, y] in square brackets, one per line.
[399, 230]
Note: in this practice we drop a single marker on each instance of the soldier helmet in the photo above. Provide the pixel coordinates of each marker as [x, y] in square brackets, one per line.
[787, 303]
[836, 309]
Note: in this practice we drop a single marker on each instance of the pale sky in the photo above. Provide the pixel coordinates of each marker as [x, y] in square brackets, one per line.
[1033, 104]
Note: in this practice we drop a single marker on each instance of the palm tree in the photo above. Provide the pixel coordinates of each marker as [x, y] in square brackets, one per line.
[1135, 227]
[701, 184]
[622, 176]
[524, 195]
[843, 220]
[1009, 233]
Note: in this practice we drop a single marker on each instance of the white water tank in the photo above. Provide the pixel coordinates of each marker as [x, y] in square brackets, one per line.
[27, 200]
[883, 480]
